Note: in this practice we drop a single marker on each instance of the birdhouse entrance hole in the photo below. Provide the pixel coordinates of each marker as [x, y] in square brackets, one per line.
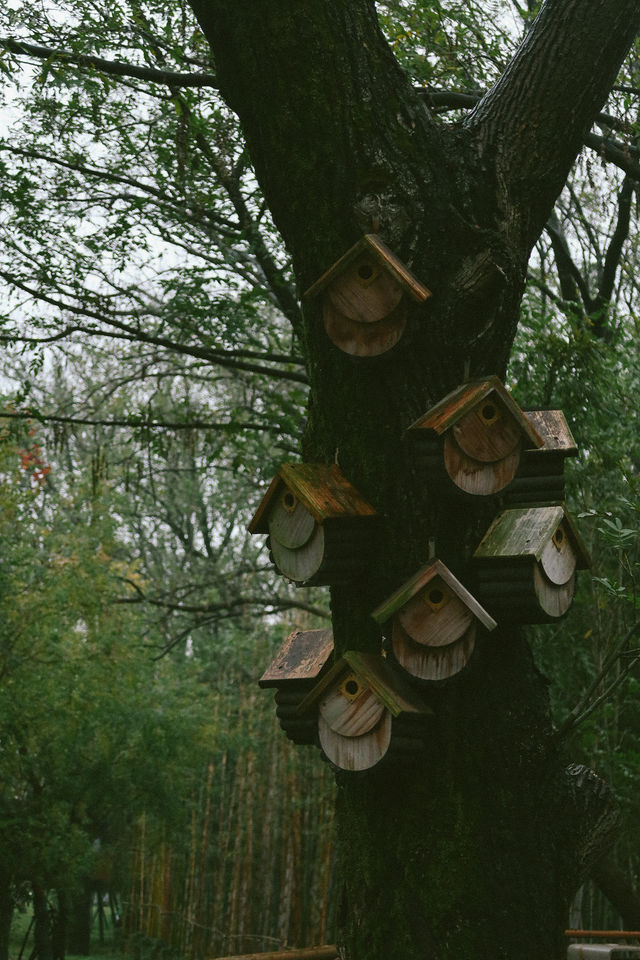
[558, 537]
[489, 413]
[288, 501]
[367, 272]
[351, 688]
[435, 597]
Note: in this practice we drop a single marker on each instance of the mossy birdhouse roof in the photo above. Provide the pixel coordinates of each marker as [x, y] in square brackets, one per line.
[376, 674]
[523, 533]
[323, 490]
[302, 656]
[424, 576]
[461, 401]
[372, 245]
[554, 430]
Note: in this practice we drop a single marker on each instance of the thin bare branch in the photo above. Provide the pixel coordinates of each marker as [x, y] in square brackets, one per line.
[110, 67]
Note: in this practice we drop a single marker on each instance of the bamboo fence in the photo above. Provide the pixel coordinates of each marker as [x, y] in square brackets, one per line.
[255, 871]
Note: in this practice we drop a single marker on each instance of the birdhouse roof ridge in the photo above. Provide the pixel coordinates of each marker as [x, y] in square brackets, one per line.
[371, 243]
[419, 580]
[321, 488]
[388, 684]
[554, 430]
[448, 411]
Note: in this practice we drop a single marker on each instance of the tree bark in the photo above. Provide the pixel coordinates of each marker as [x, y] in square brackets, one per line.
[6, 914]
[476, 850]
[42, 925]
[79, 922]
[59, 927]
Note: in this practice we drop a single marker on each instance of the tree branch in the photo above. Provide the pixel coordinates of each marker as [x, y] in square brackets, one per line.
[110, 67]
[619, 891]
[622, 155]
[538, 114]
[179, 205]
[571, 279]
[135, 422]
[123, 331]
[583, 708]
[607, 278]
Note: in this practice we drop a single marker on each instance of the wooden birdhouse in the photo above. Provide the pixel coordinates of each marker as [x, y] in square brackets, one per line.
[360, 706]
[525, 567]
[471, 442]
[321, 530]
[364, 297]
[433, 623]
[540, 476]
[298, 665]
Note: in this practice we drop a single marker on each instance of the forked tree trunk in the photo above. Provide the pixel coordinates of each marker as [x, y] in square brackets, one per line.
[475, 851]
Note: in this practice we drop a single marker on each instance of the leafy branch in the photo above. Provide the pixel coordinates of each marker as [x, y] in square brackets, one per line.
[586, 706]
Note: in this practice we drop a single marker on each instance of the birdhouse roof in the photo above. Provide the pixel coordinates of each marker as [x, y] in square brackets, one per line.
[388, 684]
[420, 580]
[322, 489]
[523, 533]
[371, 244]
[554, 430]
[302, 656]
[448, 411]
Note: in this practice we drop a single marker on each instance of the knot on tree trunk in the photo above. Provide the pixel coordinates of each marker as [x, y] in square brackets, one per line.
[596, 818]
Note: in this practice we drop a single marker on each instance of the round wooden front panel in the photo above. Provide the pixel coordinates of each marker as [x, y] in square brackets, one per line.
[558, 558]
[475, 476]
[435, 616]
[365, 292]
[432, 663]
[356, 753]
[300, 564]
[363, 339]
[290, 523]
[349, 714]
[488, 432]
[554, 599]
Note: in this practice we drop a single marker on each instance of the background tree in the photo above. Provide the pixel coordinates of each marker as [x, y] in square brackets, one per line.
[85, 719]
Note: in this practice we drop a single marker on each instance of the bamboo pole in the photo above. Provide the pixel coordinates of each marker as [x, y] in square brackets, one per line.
[200, 940]
[143, 840]
[247, 855]
[190, 886]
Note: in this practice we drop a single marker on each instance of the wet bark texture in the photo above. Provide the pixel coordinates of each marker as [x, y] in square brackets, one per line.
[42, 926]
[475, 851]
[6, 913]
[79, 922]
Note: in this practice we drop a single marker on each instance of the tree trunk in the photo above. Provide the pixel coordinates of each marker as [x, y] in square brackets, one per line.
[6, 914]
[42, 924]
[59, 927]
[79, 923]
[474, 851]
